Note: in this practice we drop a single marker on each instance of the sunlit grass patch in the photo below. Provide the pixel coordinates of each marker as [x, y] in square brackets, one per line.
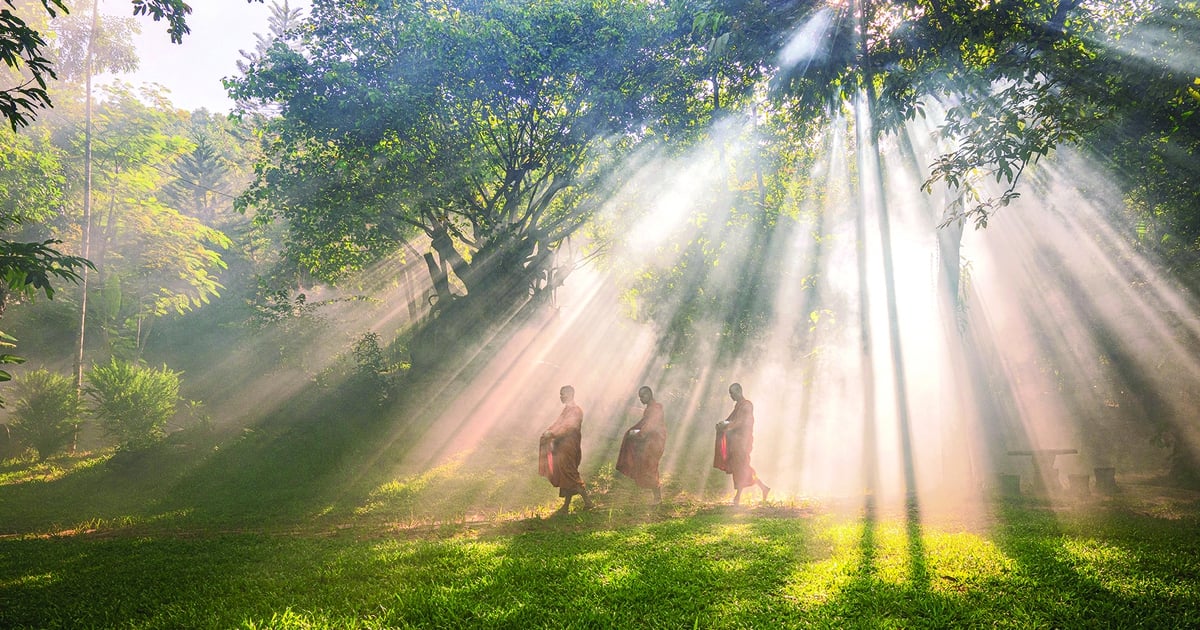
[30, 580]
[723, 568]
[29, 470]
[1121, 569]
[400, 495]
[895, 555]
[962, 561]
[493, 486]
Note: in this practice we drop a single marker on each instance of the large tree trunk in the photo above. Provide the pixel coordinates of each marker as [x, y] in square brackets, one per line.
[499, 280]
[441, 282]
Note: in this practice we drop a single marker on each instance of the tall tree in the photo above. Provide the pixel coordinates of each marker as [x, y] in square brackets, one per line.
[31, 192]
[88, 44]
[200, 184]
[23, 46]
[486, 127]
[29, 266]
[151, 258]
[281, 26]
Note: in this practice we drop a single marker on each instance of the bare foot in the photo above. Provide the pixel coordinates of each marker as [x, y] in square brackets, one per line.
[766, 491]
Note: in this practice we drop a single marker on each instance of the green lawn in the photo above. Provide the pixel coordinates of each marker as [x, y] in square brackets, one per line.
[301, 526]
[680, 565]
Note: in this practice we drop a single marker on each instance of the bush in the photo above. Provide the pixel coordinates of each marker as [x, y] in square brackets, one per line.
[133, 403]
[48, 411]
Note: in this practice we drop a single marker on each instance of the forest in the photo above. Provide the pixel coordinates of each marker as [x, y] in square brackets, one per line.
[949, 248]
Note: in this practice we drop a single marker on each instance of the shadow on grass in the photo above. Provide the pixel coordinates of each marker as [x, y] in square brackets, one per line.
[282, 473]
[887, 583]
[683, 565]
[1039, 568]
[1079, 567]
[589, 570]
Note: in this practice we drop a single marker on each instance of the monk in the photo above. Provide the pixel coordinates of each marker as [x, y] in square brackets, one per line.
[735, 440]
[642, 446]
[559, 452]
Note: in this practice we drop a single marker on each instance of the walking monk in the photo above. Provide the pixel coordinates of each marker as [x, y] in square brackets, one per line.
[559, 452]
[642, 447]
[735, 439]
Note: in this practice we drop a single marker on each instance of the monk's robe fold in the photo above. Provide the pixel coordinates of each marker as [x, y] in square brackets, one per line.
[735, 440]
[642, 447]
[559, 452]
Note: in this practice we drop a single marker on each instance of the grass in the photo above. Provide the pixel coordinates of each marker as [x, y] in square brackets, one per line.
[682, 566]
[299, 525]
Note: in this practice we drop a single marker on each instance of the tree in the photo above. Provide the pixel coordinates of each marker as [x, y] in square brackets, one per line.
[87, 46]
[200, 180]
[1150, 136]
[23, 48]
[28, 267]
[31, 189]
[486, 128]
[151, 259]
[216, 165]
[281, 28]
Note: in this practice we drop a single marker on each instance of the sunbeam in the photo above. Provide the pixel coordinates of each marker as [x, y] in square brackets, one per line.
[805, 46]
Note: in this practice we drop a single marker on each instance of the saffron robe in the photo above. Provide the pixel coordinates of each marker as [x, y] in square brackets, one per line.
[735, 440]
[642, 447]
[559, 452]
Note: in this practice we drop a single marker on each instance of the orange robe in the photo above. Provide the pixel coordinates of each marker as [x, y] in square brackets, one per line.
[559, 452]
[642, 447]
[735, 440]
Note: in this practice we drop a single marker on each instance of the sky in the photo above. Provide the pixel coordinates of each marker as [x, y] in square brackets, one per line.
[193, 70]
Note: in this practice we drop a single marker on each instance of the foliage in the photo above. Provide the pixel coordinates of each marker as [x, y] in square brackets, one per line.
[47, 411]
[485, 127]
[133, 403]
[374, 374]
[31, 180]
[85, 45]
[1015, 80]
[281, 28]
[290, 322]
[151, 258]
[28, 268]
[1151, 137]
[7, 341]
[23, 48]
[30, 188]
[368, 355]
[201, 175]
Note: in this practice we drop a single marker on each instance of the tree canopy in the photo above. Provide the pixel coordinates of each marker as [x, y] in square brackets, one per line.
[486, 127]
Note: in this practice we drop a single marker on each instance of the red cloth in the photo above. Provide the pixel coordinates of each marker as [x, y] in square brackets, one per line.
[642, 447]
[735, 440]
[559, 452]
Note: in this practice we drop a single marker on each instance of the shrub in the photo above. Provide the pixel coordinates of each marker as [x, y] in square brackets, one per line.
[47, 412]
[133, 403]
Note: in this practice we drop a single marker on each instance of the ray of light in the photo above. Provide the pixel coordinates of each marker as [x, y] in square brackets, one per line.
[871, 378]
